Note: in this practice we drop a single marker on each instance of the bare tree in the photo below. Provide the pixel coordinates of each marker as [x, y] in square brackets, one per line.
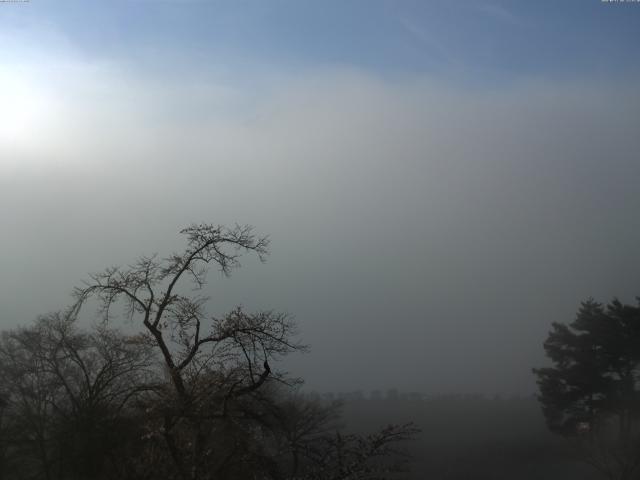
[65, 395]
[213, 363]
[214, 405]
[315, 447]
[190, 397]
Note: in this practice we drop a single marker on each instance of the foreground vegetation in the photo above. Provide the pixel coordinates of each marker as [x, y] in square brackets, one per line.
[190, 396]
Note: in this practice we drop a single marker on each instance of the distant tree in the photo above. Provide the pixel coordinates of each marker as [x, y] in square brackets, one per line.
[591, 394]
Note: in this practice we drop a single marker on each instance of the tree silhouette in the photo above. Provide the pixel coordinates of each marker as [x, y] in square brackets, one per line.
[66, 395]
[591, 393]
[220, 415]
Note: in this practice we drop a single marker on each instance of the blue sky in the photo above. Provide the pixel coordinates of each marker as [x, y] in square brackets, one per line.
[441, 178]
[471, 41]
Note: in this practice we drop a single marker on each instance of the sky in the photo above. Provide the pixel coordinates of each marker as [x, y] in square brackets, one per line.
[440, 180]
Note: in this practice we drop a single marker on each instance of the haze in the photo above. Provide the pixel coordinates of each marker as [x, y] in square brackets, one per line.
[440, 180]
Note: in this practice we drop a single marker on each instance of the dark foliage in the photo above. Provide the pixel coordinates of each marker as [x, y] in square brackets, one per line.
[591, 393]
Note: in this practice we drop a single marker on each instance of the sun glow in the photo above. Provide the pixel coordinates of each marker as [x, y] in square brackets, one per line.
[25, 111]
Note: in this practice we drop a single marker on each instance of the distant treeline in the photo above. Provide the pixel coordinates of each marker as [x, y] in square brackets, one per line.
[394, 394]
[470, 436]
